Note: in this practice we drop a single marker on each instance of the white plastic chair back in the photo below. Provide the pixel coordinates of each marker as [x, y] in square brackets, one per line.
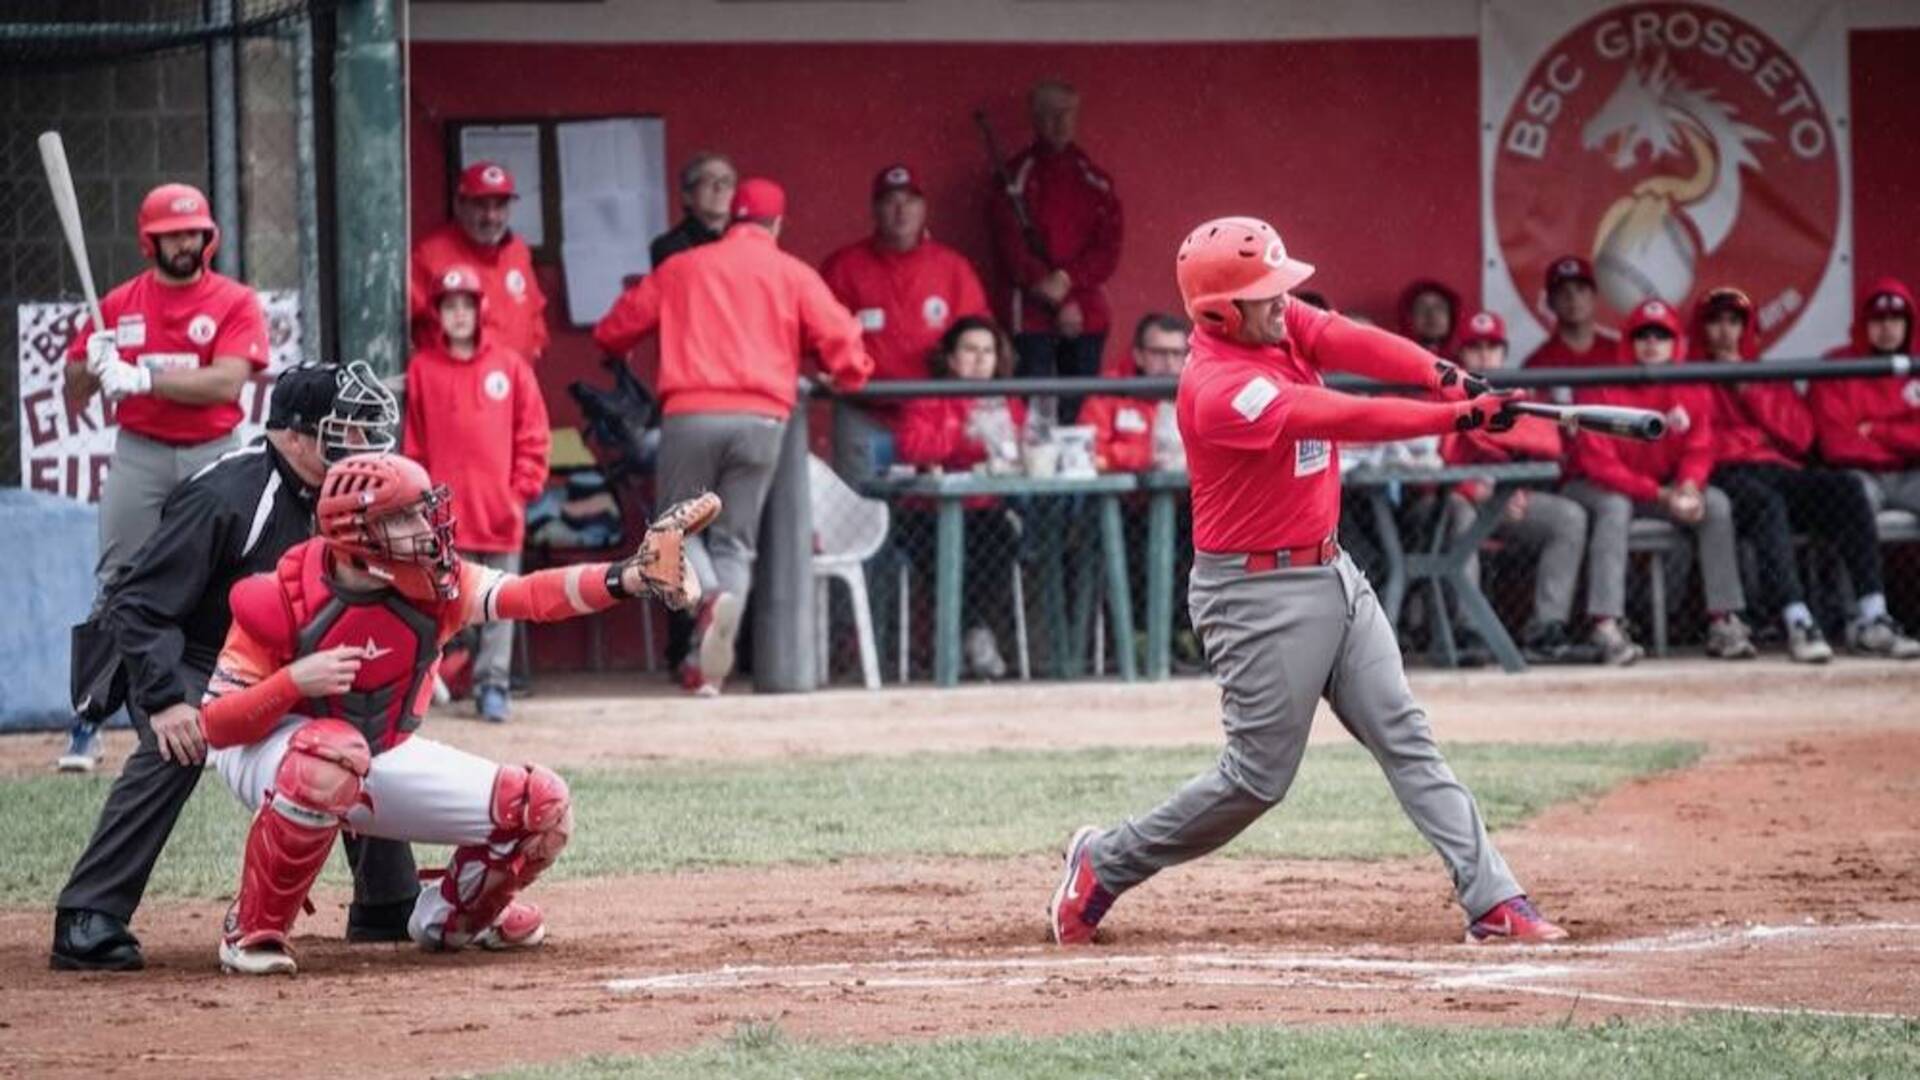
[850, 526]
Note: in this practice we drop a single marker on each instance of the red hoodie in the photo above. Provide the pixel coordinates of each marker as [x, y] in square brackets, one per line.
[480, 427]
[1889, 406]
[1072, 206]
[1757, 423]
[1639, 469]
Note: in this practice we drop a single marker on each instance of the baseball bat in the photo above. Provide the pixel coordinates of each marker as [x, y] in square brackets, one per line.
[53, 155]
[1643, 424]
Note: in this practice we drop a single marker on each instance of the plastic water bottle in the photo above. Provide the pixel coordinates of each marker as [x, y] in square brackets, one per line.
[1037, 445]
[1168, 452]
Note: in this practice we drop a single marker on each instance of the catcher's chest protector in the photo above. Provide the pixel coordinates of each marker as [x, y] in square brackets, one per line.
[398, 642]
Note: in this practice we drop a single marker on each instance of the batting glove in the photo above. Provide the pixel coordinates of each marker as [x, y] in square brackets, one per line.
[1459, 384]
[103, 350]
[125, 380]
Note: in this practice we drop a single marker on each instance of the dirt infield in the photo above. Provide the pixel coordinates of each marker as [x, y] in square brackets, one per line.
[1782, 873]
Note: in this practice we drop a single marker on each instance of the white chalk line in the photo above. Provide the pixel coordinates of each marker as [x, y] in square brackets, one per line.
[1275, 970]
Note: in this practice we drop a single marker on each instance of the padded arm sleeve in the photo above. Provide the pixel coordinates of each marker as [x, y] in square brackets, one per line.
[246, 715]
[563, 592]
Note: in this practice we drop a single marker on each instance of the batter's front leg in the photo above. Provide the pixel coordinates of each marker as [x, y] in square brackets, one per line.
[1370, 695]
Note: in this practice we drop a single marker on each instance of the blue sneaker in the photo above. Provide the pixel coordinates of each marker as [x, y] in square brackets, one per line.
[492, 702]
[83, 749]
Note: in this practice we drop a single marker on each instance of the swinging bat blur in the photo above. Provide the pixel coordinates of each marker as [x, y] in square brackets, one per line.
[1643, 424]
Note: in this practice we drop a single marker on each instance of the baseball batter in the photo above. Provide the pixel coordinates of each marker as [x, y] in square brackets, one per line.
[1286, 617]
[325, 676]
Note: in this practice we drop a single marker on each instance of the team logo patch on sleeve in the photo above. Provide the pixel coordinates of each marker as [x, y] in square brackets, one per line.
[1253, 398]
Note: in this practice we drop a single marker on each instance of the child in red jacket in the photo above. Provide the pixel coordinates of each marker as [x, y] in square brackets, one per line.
[476, 420]
[1874, 424]
[1554, 524]
[1618, 480]
[1127, 430]
[956, 434]
[1763, 432]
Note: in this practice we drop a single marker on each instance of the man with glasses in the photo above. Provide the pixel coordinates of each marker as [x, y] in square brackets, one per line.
[706, 194]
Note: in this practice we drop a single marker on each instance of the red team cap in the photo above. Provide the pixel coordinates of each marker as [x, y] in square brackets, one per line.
[486, 180]
[1484, 328]
[1655, 312]
[896, 178]
[1568, 268]
[1233, 258]
[176, 208]
[1889, 303]
[758, 197]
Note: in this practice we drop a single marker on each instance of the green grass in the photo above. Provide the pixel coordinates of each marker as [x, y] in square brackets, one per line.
[1719, 1046]
[685, 816]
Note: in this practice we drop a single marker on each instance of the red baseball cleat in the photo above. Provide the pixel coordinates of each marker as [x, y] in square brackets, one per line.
[521, 926]
[1081, 901]
[1513, 920]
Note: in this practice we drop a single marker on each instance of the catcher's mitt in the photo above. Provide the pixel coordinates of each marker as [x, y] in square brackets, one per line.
[661, 561]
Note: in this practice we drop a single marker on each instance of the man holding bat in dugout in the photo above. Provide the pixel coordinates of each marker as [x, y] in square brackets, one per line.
[176, 348]
[1286, 616]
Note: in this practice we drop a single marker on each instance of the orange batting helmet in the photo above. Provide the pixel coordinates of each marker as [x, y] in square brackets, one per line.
[1233, 258]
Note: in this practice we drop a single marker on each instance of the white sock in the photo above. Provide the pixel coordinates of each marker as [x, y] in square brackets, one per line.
[1796, 614]
[1872, 606]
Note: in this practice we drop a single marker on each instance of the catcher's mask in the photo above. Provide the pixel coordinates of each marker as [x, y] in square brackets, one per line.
[385, 514]
[364, 417]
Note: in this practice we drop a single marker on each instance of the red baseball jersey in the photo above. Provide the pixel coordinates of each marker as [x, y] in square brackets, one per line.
[904, 300]
[166, 327]
[1556, 353]
[1255, 488]
[516, 309]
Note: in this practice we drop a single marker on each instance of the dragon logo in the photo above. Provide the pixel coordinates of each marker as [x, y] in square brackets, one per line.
[1678, 147]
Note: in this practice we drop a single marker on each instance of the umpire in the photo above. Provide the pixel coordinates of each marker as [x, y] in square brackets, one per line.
[167, 616]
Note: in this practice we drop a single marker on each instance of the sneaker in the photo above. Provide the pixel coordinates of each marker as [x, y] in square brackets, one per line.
[1080, 901]
[1807, 645]
[983, 655]
[1881, 637]
[714, 630]
[268, 956]
[1729, 639]
[83, 749]
[491, 704]
[521, 926]
[1515, 920]
[1616, 648]
[1552, 643]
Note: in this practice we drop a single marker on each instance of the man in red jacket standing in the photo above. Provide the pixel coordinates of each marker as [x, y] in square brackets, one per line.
[1873, 425]
[1762, 432]
[1577, 339]
[479, 239]
[1061, 263]
[1618, 480]
[477, 422]
[734, 318]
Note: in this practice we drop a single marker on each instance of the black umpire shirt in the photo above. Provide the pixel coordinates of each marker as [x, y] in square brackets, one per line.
[169, 610]
[689, 234]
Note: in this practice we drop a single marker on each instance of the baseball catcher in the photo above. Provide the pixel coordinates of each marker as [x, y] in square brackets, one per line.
[326, 674]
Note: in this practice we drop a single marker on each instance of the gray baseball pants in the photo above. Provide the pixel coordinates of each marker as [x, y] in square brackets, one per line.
[1278, 642]
[143, 473]
[1611, 514]
[493, 658]
[1893, 490]
[732, 455]
[1553, 523]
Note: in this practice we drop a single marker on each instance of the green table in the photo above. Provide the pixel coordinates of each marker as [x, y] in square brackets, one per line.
[950, 491]
[1165, 489]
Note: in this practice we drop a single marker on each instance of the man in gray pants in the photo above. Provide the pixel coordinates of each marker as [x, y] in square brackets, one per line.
[1285, 615]
[734, 319]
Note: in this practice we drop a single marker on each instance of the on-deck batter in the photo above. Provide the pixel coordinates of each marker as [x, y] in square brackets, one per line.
[1285, 616]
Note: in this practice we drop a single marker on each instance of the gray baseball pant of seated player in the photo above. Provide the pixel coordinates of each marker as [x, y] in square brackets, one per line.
[1278, 642]
[1611, 516]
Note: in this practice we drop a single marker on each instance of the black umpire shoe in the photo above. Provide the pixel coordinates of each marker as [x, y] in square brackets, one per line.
[373, 924]
[93, 941]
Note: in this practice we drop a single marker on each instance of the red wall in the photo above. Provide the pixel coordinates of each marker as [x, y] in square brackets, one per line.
[1885, 92]
[1362, 152]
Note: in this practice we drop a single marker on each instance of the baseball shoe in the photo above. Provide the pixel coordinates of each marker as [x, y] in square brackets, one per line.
[93, 941]
[491, 703]
[1807, 645]
[1080, 901]
[1881, 637]
[1616, 648]
[521, 926]
[1514, 920]
[84, 749]
[268, 956]
[714, 630]
[983, 655]
[1729, 639]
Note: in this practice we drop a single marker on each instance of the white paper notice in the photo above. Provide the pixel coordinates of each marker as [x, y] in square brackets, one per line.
[613, 201]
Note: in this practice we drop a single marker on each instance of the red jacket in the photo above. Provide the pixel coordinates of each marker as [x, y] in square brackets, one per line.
[1556, 353]
[1123, 431]
[933, 431]
[1888, 406]
[734, 317]
[904, 300]
[1640, 469]
[1761, 423]
[480, 427]
[1074, 209]
[516, 309]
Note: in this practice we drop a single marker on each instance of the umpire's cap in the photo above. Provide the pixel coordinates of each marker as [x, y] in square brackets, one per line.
[302, 397]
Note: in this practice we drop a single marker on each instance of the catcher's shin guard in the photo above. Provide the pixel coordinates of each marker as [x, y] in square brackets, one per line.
[318, 781]
[533, 817]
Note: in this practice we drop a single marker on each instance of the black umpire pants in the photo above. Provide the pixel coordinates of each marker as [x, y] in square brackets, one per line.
[140, 812]
[1771, 501]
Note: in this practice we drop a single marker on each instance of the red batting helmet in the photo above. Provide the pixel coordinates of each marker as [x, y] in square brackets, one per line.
[176, 208]
[1228, 259]
[364, 505]
[458, 278]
